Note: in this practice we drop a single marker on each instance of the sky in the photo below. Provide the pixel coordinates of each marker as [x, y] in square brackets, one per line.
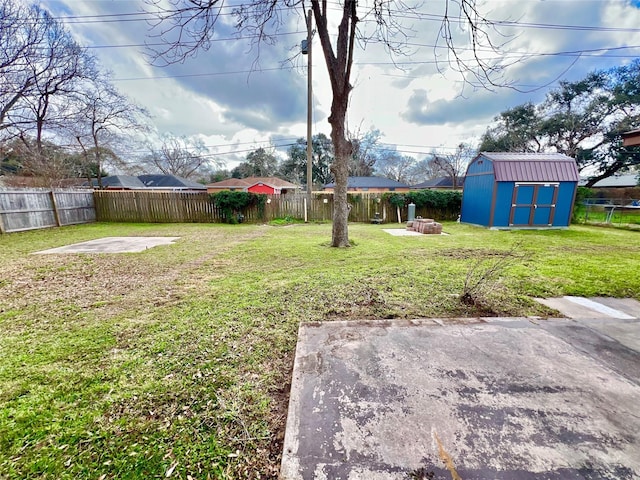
[237, 97]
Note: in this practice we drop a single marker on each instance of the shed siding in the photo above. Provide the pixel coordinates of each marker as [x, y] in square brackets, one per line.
[502, 207]
[479, 166]
[564, 205]
[478, 193]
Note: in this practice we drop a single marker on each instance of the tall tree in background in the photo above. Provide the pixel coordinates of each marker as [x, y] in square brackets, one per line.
[181, 156]
[39, 62]
[453, 165]
[51, 89]
[104, 117]
[583, 119]
[188, 26]
[294, 167]
[259, 163]
[364, 152]
[395, 166]
[516, 130]
[21, 33]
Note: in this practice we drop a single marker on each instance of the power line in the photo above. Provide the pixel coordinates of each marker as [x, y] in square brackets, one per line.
[414, 14]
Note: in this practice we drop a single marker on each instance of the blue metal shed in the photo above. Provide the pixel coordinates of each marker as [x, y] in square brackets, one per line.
[520, 190]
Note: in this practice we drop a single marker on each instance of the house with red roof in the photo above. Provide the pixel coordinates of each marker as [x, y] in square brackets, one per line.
[267, 185]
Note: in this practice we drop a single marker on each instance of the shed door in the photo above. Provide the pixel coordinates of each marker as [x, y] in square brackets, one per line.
[533, 204]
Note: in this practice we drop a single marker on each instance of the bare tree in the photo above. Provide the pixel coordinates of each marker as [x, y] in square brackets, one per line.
[56, 76]
[453, 165]
[188, 26]
[179, 156]
[365, 152]
[20, 35]
[396, 166]
[104, 116]
[39, 62]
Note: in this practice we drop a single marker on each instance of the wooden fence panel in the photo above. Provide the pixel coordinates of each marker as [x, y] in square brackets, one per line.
[155, 207]
[187, 207]
[29, 209]
[74, 207]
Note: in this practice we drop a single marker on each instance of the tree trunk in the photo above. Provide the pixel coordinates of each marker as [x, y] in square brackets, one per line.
[339, 67]
[340, 169]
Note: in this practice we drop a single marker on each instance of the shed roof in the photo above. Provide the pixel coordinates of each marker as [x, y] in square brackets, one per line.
[533, 167]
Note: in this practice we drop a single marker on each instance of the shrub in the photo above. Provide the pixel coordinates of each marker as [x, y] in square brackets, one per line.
[235, 204]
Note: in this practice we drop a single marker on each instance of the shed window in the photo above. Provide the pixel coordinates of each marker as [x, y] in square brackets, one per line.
[392, 189]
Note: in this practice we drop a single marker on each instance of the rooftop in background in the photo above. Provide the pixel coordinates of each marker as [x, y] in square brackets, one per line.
[532, 167]
[632, 138]
[370, 182]
[169, 181]
[120, 181]
[615, 181]
[239, 183]
[440, 182]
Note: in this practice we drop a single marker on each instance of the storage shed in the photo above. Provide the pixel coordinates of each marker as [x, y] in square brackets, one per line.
[519, 190]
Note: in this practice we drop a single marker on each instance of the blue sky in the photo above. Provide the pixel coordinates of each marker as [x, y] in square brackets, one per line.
[236, 100]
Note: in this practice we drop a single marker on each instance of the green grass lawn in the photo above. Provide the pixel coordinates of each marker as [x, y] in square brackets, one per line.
[175, 362]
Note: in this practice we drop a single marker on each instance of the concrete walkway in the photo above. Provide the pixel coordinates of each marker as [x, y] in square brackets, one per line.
[468, 399]
[595, 307]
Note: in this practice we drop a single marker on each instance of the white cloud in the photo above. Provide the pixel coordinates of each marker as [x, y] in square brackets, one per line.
[419, 105]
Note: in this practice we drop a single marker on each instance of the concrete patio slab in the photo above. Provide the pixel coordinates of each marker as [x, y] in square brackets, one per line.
[435, 399]
[113, 245]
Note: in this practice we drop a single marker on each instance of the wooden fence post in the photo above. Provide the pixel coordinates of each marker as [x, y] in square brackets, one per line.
[55, 208]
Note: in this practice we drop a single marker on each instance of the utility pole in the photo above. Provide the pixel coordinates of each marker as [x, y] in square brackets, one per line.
[309, 107]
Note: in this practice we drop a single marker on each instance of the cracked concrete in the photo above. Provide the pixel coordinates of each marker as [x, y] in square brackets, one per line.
[496, 399]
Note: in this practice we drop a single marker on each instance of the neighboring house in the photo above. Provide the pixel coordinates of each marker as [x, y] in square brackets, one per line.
[632, 138]
[615, 181]
[439, 184]
[371, 184]
[170, 182]
[268, 185]
[119, 182]
[520, 190]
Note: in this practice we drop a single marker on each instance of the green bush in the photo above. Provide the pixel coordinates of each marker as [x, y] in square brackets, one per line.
[235, 204]
[434, 199]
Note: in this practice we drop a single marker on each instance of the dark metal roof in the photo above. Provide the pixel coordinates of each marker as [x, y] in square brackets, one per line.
[169, 181]
[370, 182]
[533, 167]
[440, 182]
[120, 181]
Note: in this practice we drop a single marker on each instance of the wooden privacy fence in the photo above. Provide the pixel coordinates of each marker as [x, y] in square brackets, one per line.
[155, 207]
[29, 209]
[196, 207]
